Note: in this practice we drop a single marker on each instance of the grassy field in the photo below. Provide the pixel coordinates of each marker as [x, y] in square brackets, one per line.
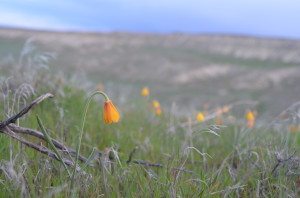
[144, 155]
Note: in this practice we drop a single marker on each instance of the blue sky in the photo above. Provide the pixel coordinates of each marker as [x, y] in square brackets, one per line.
[270, 18]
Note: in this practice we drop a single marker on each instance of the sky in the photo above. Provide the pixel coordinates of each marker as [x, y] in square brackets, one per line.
[266, 18]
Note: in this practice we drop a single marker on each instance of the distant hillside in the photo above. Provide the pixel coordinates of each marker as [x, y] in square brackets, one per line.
[193, 69]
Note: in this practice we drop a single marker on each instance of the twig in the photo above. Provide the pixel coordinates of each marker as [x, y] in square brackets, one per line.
[152, 164]
[131, 155]
[229, 188]
[146, 163]
[282, 161]
[41, 149]
[14, 118]
[40, 135]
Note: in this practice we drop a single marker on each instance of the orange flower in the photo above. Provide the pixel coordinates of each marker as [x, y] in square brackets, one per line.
[219, 121]
[251, 123]
[145, 91]
[110, 114]
[283, 116]
[225, 109]
[158, 111]
[219, 111]
[100, 86]
[293, 129]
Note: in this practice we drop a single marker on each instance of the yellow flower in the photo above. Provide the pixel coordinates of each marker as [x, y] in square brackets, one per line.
[156, 104]
[100, 86]
[145, 91]
[110, 114]
[230, 117]
[200, 117]
[158, 111]
[250, 116]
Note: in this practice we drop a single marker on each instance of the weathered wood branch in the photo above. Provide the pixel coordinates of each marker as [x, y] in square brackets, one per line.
[15, 117]
[282, 161]
[11, 131]
[41, 149]
[40, 135]
[151, 164]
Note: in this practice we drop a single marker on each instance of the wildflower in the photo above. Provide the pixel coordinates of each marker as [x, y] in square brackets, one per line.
[100, 86]
[200, 117]
[156, 104]
[219, 121]
[110, 114]
[283, 116]
[249, 116]
[145, 91]
[292, 129]
[225, 109]
[230, 117]
[158, 111]
[219, 111]
[251, 123]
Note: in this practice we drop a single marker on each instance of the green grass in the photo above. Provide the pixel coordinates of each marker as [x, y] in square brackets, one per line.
[241, 158]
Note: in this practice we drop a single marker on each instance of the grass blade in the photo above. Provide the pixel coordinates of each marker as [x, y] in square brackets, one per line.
[90, 158]
[48, 139]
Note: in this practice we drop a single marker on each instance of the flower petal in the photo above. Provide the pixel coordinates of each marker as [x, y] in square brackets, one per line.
[110, 114]
[107, 113]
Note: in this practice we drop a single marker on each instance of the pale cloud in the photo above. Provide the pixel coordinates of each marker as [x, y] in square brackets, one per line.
[25, 20]
[251, 17]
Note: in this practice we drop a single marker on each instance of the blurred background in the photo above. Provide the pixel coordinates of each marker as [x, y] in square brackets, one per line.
[189, 53]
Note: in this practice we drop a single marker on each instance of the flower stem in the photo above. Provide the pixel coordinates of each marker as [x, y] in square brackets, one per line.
[81, 132]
